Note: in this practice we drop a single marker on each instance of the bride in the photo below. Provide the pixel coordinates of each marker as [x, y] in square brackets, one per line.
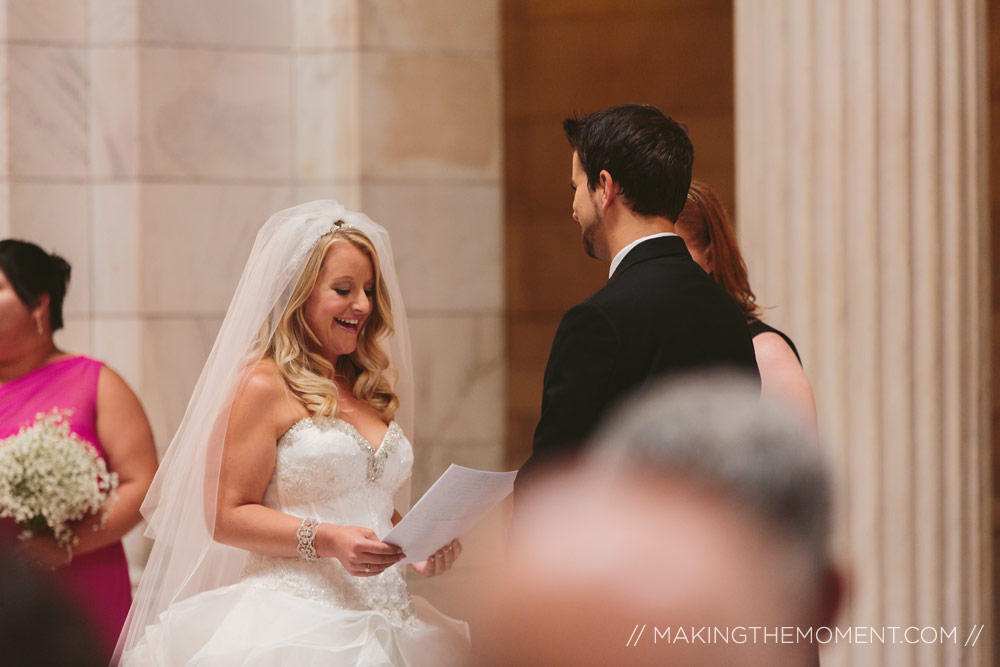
[268, 506]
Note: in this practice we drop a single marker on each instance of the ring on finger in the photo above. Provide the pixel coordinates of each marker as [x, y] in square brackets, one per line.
[368, 567]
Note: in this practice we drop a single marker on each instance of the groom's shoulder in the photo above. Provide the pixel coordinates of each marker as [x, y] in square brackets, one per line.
[643, 281]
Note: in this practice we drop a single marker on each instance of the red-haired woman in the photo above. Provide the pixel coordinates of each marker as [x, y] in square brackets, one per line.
[705, 228]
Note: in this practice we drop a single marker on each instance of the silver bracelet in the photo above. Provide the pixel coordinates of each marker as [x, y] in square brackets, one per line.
[307, 535]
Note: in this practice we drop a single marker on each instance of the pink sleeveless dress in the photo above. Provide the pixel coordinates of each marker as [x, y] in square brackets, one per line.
[98, 581]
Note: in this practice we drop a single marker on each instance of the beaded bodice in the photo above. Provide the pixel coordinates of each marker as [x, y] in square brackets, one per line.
[324, 468]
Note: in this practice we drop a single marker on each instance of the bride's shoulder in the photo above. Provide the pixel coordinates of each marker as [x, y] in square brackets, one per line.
[262, 377]
[261, 385]
[263, 397]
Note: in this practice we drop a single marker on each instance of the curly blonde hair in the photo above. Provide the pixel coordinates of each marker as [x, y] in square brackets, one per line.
[297, 352]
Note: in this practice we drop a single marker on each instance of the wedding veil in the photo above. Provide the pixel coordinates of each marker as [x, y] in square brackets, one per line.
[180, 505]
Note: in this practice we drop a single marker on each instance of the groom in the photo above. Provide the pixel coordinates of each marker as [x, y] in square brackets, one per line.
[659, 313]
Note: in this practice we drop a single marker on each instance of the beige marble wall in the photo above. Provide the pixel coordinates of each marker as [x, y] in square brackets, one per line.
[861, 171]
[148, 140]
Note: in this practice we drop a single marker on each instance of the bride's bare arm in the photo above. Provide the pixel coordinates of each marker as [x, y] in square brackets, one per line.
[261, 413]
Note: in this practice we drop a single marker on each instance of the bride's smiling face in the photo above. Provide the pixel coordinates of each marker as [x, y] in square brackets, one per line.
[342, 299]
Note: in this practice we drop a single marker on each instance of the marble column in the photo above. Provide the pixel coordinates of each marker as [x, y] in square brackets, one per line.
[862, 211]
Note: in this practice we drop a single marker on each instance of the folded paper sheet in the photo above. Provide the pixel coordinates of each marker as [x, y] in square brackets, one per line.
[454, 503]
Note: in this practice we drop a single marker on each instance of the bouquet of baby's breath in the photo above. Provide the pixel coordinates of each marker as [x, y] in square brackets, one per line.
[49, 478]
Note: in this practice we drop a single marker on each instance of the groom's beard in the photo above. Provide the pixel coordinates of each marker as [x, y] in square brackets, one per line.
[591, 242]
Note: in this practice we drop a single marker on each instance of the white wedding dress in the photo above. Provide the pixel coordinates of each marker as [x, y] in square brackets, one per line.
[287, 611]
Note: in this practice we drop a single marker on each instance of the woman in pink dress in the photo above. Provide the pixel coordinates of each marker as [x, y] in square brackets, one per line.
[36, 377]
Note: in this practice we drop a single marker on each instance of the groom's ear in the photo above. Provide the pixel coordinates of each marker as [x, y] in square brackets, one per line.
[606, 189]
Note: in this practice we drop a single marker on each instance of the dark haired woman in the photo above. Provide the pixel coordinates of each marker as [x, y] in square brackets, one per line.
[35, 377]
[708, 234]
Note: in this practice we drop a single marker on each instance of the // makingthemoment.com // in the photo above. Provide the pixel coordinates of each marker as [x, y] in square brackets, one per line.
[891, 634]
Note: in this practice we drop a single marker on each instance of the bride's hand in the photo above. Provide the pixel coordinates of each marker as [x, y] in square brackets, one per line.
[358, 549]
[43, 552]
[440, 561]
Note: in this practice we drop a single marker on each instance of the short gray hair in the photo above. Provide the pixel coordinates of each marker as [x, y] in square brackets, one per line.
[715, 429]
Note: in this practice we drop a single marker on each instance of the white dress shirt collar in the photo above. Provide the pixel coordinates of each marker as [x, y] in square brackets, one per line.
[624, 251]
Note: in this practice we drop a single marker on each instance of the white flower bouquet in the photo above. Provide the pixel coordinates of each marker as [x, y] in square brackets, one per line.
[49, 477]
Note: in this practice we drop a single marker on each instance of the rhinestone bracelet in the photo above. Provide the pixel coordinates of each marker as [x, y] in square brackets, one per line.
[307, 535]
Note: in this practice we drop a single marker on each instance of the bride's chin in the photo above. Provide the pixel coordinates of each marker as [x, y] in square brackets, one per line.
[334, 352]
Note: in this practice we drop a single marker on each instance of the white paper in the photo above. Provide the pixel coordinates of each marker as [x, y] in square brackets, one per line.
[454, 503]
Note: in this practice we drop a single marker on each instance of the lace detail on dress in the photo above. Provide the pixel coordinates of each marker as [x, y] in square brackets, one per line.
[326, 581]
[325, 468]
[289, 436]
[376, 457]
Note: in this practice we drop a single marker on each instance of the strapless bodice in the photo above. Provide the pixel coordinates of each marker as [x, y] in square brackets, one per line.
[324, 468]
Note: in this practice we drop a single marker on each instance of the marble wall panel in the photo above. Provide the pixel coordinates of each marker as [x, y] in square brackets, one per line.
[48, 111]
[228, 23]
[431, 25]
[116, 233]
[324, 25]
[173, 351]
[114, 112]
[215, 114]
[430, 117]
[347, 193]
[5, 110]
[195, 241]
[117, 342]
[458, 378]
[56, 216]
[447, 241]
[5, 226]
[327, 116]
[75, 336]
[114, 21]
[433, 456]
[5, 223]
[47, 20]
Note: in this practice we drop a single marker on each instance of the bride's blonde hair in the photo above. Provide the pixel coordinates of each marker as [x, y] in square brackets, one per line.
[296, 350]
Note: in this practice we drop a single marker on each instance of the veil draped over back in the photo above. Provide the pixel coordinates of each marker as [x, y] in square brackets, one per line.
[181, 503]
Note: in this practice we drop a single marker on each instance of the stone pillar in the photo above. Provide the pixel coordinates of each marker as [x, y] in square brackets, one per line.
[862, 211]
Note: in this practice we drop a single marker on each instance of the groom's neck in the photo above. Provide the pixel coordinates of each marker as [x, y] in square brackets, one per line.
[626, 226]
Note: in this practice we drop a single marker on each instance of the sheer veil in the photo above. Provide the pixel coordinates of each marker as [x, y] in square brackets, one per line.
[180, 505]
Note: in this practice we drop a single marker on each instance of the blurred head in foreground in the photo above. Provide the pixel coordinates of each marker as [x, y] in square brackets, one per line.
[698, 506]
[38, 626]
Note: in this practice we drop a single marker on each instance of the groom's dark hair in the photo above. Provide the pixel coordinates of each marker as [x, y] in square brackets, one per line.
[646, 152]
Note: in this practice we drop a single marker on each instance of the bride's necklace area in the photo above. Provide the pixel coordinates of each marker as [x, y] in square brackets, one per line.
[378, 449]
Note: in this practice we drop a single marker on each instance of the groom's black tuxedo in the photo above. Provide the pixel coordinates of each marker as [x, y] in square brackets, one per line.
[658, 314]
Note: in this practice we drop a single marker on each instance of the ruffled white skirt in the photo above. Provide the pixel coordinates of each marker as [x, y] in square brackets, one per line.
[245, 624]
